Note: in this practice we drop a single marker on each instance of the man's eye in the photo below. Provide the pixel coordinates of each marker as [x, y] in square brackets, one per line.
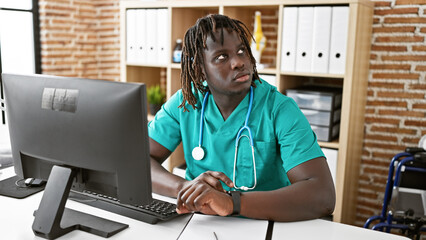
[241, 51]
[220, 57]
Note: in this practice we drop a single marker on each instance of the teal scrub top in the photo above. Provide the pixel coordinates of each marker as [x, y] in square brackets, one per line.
[281, 134]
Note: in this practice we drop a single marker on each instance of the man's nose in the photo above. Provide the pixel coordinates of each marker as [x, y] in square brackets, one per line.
[237, 62]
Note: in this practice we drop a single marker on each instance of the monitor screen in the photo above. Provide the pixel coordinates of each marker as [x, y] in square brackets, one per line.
[95, 129]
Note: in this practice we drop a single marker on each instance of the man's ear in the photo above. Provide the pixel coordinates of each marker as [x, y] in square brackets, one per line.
[203, 72]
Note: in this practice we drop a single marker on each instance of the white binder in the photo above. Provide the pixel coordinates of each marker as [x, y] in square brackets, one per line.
[271, 79]
[163, 47]
[141, 42]
[321, 39]
[151, 34]
[131, 36]
[305, 25]
[289, 37]
[339, 32]
[331, 156]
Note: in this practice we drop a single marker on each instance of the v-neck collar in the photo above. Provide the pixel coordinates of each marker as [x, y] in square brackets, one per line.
[237, 117]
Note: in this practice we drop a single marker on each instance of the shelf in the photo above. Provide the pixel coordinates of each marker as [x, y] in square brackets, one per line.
[147, 65]
[267, 71]
[320, 75]
[175, 66]
[183, 14]
[333, 144]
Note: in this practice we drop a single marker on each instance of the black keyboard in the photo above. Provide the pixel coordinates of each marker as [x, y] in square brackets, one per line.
[157, 210]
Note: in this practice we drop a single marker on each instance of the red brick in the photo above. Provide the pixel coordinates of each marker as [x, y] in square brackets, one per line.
[369, 111]
[413, 141]
[58, 21]
[388, 103]
[389, 48]
[66, 8]
[394, 11]
[375, 163]
[367, 195]
[420, 58]
[267, 21]
[380, 137]
[381, 179]
[396, 75]
[392, 121]
[395, 130]
[56, 14]
[418, 123]
[385, 146]
[387, 85]
[65, 35]
[372, 187]
[419, 86]
[371, 204]
[399, 39]
[419, 48]
[384, 155]
[401, 95]
[405, 29]
[419, 105]
[376, 20]
[363, 177]
[409, 2]
[405, 20]
[402, 113]
[365, 214]
[421, 68]
[391, 66]
[382, 4]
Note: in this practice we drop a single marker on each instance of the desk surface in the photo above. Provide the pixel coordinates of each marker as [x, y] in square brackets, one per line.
[16, 219]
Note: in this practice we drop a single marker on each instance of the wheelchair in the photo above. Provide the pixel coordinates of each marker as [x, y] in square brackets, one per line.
[404, 205]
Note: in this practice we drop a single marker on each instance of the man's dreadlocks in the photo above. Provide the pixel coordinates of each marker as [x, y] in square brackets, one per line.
[194, 45]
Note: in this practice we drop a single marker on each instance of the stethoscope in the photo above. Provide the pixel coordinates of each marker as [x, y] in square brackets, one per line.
[198, 152]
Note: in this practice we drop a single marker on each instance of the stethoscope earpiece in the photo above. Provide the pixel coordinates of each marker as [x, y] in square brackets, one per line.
[198, 152]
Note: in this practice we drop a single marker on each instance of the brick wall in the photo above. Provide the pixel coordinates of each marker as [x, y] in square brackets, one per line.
[269, 28]
[81, 38]
[396, 102]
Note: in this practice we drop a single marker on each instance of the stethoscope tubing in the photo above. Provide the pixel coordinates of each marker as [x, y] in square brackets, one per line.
[200, 140]
[239, 136]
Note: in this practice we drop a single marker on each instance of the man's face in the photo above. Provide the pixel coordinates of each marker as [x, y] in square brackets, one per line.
[227, 67]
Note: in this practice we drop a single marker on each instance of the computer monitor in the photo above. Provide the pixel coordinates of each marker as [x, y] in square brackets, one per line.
[78, 134]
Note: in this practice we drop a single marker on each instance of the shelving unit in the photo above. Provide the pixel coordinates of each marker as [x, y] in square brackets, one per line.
[184, 13]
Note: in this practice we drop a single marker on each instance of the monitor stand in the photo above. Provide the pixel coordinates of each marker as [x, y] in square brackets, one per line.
[53, 220]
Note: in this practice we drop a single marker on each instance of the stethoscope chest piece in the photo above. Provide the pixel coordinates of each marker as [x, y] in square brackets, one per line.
[198, 153]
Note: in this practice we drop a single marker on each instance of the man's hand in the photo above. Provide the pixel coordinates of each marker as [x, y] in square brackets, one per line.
[205, 194]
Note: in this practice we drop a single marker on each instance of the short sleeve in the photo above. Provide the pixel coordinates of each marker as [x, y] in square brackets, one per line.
[165, 128]
[297, 141]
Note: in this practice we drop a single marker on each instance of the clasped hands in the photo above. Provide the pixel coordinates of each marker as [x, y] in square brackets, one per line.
[205, 194]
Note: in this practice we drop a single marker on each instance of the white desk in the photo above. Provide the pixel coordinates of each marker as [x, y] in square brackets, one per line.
[322, 229]
[16, 219]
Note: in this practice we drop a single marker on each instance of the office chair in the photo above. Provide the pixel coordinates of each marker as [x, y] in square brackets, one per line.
[404, 204]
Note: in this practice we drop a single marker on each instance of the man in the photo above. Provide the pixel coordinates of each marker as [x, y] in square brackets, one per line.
[222, 104]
